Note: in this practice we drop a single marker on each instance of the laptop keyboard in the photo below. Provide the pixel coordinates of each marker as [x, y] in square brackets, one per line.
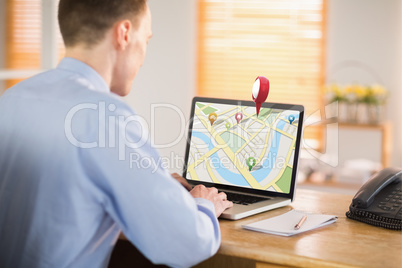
[244, 199]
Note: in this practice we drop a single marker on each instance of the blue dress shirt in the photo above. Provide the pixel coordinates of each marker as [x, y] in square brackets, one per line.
[76, 168]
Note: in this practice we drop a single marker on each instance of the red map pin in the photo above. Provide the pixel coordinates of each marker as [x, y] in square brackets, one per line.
[239, 117]
[260, 91]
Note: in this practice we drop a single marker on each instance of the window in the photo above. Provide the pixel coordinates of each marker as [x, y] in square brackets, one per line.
[26, 20]
[280, 39]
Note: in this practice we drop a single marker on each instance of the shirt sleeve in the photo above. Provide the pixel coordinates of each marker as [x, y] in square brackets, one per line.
[153, 210]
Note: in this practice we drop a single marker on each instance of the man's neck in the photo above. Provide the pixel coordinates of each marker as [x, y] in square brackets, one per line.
[98, 57]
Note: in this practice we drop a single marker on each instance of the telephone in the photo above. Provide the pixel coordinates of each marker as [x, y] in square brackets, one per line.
[379, 200]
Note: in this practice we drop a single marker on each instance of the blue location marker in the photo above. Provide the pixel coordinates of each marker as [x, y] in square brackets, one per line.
[291, 118]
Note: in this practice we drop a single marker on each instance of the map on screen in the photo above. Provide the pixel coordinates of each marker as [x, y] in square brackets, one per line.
[230, 145]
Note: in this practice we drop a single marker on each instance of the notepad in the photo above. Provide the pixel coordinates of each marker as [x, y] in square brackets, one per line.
[285, 224]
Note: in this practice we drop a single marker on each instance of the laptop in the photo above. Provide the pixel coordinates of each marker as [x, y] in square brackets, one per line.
[252, 159]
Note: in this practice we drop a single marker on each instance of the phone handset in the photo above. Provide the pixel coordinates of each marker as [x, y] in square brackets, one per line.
[365, 196]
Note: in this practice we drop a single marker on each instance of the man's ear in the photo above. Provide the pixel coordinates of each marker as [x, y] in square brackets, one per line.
[122, 33]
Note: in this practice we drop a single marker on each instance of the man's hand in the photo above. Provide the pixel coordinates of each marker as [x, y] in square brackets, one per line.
[218, 199]
[182, 181]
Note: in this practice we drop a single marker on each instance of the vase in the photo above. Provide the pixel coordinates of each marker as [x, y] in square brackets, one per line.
[352, 112]
[362, 113]
[375, 113]
[342, 111]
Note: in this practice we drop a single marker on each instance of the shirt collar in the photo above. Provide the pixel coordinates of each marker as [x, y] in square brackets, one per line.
[81, 68]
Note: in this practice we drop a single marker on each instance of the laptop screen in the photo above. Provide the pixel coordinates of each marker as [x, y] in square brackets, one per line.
[230, 145]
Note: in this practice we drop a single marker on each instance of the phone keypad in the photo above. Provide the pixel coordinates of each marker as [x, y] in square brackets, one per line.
[392, 202]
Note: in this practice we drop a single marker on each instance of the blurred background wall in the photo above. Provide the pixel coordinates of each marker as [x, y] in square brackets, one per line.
[168, 75]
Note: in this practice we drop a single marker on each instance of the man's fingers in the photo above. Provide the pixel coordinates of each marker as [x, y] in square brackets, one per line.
[200, 186]
[222, 206]
[213, 190]
[223, 195]
[228, 204]
[218, 199]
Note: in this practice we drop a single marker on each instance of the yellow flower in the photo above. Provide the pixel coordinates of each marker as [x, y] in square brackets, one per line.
[349, 89]
[375, 94]
[378, 90]
[360, 91]
[335, 92]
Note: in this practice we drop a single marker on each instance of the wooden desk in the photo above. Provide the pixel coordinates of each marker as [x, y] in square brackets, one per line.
[346, 243]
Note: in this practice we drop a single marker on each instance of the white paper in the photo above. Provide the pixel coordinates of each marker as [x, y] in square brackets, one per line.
[285, 224]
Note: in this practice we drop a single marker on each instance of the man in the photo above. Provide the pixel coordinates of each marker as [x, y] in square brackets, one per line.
[66, 185]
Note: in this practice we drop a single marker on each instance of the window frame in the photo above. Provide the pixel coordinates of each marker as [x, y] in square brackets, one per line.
[49, 47]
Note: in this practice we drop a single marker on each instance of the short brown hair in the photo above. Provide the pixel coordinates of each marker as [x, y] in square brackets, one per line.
[86, 21]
